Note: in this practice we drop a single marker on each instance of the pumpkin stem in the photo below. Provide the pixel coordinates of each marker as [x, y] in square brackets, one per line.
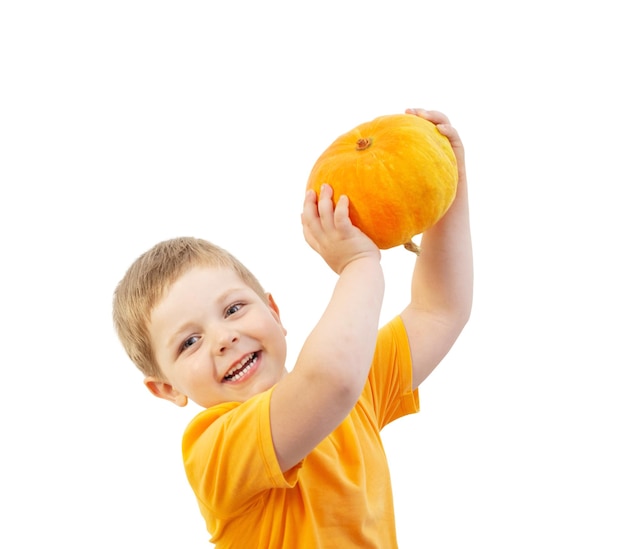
[363, 143]
[412, 247]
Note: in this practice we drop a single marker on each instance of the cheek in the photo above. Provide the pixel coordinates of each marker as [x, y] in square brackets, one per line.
[279, 333]
[279, 324]
[282, 342]
[274, 335]
[191, 374]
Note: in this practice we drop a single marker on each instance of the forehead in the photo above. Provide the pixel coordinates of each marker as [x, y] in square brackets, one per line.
[203, 280]
[192, 293]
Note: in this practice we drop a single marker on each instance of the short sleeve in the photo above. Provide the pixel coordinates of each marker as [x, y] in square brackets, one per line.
[229, 455]
[390, 380]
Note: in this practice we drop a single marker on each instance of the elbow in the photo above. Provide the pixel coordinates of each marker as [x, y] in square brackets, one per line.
[453, 320]
[335, 396]
[462, 316]
[345, 396]
[345, 383]
[466, 313]
[339, 386]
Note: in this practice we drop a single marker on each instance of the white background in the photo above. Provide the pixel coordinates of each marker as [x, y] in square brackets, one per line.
[125, 123]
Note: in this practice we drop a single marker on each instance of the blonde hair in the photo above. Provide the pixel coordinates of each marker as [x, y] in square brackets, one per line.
[148, 279]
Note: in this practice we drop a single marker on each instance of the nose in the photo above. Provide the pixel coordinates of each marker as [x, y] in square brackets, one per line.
[225, 338]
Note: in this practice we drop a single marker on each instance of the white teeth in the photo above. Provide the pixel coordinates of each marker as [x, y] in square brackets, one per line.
[241, 369]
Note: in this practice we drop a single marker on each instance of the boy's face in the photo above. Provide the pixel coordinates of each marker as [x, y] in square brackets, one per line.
[215, 339]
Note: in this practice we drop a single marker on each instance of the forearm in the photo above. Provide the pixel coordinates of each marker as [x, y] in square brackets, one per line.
[339, 350]
[330, 372]
[443, 275]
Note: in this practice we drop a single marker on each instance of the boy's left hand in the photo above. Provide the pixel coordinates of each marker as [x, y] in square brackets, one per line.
[444, 126]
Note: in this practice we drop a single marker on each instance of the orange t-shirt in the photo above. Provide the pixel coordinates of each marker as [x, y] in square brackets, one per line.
[338, 496]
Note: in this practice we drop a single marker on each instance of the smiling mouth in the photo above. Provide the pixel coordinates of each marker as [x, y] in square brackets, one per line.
[242, 368]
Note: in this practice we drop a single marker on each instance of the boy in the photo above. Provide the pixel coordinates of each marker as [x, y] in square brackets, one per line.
[294, 459]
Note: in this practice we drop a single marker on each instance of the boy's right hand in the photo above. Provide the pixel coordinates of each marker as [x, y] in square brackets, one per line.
[330, 232]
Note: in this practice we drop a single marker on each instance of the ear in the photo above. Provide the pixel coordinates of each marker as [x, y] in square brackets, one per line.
[164, 390]
[272, 305]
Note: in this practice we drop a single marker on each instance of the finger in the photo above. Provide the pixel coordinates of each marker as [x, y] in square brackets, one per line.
[309, 208]
[312, 240]
[436, 117]
[310, 196]
[449, 131]
[310, 236]
[309, 217]
[342, 213]
[325, 207]
[310, 199]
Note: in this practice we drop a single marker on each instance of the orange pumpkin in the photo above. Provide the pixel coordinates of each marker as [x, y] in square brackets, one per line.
[398, 171]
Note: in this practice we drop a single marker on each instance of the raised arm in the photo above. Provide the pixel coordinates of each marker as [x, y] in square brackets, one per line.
[331, 370]
[442, 283]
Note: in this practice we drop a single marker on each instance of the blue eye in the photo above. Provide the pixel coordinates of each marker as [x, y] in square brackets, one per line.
[233, 309]
[189, 342]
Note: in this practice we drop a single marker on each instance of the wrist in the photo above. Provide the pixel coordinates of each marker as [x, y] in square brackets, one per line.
[362, 261]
